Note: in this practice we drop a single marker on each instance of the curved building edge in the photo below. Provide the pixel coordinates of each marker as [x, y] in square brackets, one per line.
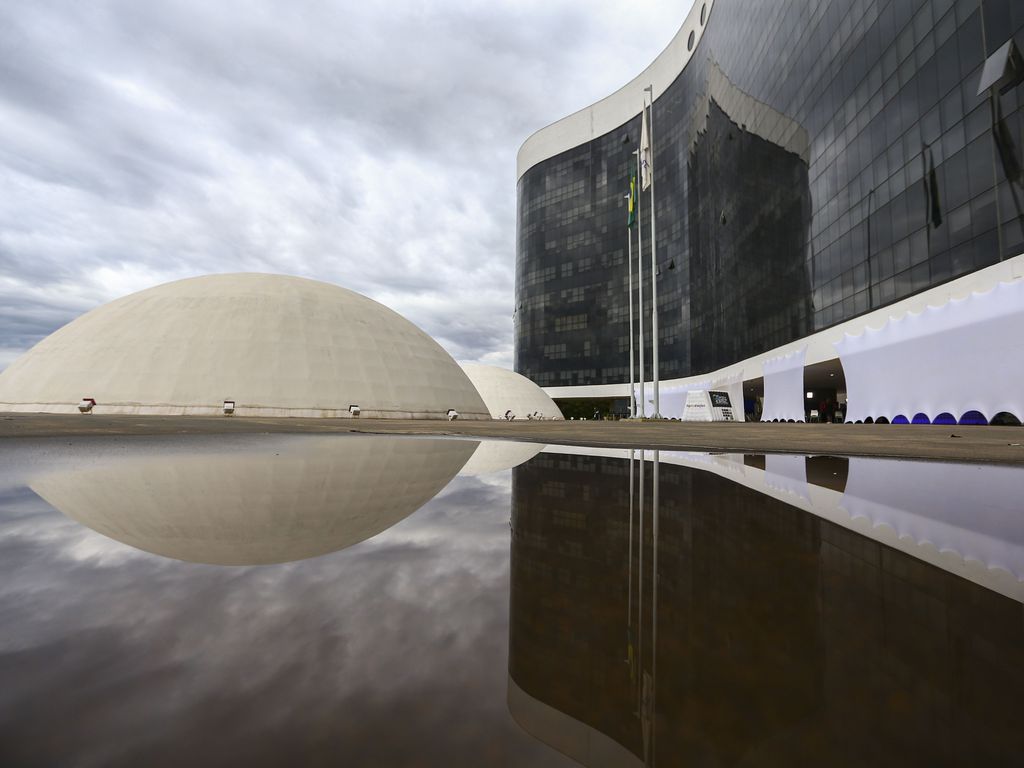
[617, 109]
[562, 732]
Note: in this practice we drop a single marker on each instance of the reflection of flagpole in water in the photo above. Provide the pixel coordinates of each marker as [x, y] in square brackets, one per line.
[629, 606]
[655, 510]
[640, 588]
[648, 691]
[648, 707]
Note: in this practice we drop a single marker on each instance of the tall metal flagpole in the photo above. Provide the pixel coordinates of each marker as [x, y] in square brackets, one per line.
[629, 260]
[654, 268]
[640, 291]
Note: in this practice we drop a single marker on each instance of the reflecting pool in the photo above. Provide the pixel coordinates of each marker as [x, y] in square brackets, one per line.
[355, 600]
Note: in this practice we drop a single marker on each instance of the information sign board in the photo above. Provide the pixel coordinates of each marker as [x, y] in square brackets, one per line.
[708, 405]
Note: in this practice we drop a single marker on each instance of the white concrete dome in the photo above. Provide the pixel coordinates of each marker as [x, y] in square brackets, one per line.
[275, 345]
[507, 392]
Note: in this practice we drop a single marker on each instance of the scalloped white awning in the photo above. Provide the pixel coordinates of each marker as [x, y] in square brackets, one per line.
[966, 355]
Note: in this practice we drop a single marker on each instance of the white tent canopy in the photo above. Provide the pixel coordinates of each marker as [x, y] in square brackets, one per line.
[784, 387]
[966, 355]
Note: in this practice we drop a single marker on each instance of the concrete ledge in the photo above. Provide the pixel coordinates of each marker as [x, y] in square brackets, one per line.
[996, 445]
[217, 410]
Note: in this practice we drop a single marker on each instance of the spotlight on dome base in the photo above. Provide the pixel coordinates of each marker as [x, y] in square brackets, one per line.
[86, 405]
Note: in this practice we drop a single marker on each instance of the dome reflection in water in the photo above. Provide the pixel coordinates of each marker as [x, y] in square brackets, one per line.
[314, 496]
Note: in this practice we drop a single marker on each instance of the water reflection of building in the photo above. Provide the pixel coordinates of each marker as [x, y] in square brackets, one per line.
[776, 637]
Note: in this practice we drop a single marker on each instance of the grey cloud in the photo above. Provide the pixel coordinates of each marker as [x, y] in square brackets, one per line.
[23, 323]
[369, 145]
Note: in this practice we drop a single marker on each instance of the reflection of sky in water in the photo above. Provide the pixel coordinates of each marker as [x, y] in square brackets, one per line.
[391, 652]
[779, 629]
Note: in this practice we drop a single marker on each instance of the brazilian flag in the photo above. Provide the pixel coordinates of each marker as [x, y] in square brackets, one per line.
[632, 198]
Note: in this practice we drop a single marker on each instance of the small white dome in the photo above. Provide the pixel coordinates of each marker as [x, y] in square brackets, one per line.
[507, 393]
[275, 345]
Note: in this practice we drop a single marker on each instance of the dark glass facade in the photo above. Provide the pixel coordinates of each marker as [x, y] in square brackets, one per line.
[815, 160]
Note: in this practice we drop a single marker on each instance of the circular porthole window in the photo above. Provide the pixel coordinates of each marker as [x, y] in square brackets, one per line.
[703, 13]
[689, 42]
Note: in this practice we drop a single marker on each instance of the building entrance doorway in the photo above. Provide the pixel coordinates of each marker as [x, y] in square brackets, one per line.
[825, 392]
[753, 399]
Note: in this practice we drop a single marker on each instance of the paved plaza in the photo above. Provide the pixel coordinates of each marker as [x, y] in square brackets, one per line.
[1001, 445]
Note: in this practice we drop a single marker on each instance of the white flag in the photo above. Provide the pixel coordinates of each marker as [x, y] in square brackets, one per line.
[645, 152]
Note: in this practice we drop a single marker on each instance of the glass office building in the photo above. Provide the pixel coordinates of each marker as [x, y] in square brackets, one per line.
[814, 160]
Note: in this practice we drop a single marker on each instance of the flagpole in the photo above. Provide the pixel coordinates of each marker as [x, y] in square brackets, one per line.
[640, 292]
[632, 371]
[654, 268]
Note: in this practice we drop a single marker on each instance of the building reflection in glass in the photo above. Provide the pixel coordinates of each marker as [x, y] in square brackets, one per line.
[749, 222]
[661, 614]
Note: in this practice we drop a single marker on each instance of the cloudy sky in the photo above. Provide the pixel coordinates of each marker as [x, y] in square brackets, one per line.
[371, 145]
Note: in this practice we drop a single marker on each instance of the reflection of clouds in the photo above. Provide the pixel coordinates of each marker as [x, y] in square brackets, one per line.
[67, 539]
[391, 652]
[459, 524]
